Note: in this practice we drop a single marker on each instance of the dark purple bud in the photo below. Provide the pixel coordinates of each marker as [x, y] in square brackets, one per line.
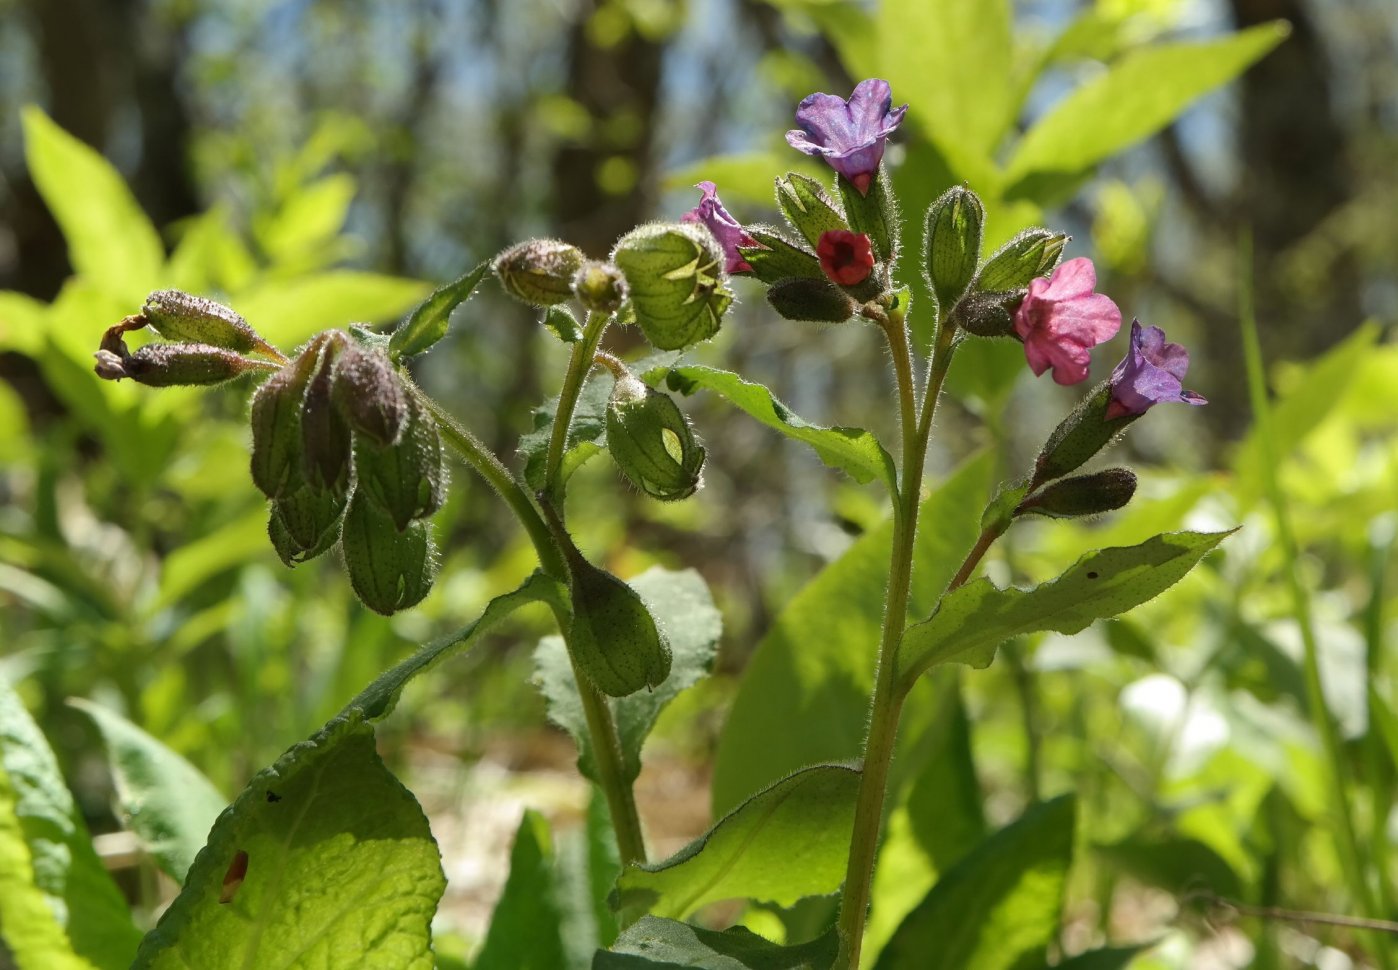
[1082, 495]
[812, 301]
[325, 434]
[276, 424]
[177, 315]
[1151, 372]
[173, 365]
[729, 233]
[539, 271]
[370, 393]
[850, 135]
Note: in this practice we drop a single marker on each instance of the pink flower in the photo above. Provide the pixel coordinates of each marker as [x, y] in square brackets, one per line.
[1061, 319]
[845, 257]
[729, 233]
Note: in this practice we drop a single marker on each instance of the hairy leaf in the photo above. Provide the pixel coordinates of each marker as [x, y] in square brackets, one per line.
[427, 324]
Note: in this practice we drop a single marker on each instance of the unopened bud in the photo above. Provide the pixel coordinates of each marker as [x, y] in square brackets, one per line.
[986, 315]
[406, 479]
[173, 365]
[1082, 495]
[540, 271]
[304, 523]
[874, 213]
[613, 638]
[1034, 252]
[276, 424]
[325, 434]
[815, 301]
[674, 274]
[600, 286]
[1083, 433]
[953, 244]
[177, 315]
[370, 393]
[389, 570]
[651, 441]
[808, 207]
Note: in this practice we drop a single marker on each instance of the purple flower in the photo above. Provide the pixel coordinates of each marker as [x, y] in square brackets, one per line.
[711, 214]
[1061, 319]
[850, 134]
[1150, 373]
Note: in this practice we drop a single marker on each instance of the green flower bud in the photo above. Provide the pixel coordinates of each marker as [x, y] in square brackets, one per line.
[540, 271]
[674, 273]
[778, 257]
[1083, 433]
[613, 638]
[953, 244]
[1034, 252]
[276, 424]
[875, 214]
[180, 316]
[174, 365]
[1082, 495]
[304, 522]
[389, 570]
[651, 442]
[370, 394]
[815, 301]
[408, 478]
[325, 434]
[599, 286]
[808, 207]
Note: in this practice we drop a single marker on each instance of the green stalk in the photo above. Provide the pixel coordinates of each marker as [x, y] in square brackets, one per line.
[578, 365]
[887, 702]
[1346, 839]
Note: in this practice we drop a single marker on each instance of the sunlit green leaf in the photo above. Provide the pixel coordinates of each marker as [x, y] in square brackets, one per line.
[428, 323]
[784, 843]
[287, 311]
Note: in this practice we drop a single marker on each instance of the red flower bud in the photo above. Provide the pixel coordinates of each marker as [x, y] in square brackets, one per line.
[845, 257]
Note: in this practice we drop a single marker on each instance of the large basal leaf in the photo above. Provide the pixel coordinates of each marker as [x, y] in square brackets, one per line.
[111, 242]
[684, 610]
[662, 944]
[525, 929]
[58, 907]
[428, 323]
[973, 620]
[785, 843]
[804, 698]
[325, 857]
[851, 450]
[1136, 97]
[166, 801]
[997, 909]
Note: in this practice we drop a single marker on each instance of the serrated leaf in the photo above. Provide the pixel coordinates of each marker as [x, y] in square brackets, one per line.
[805, 692]
[524, 931]
[852, 450]
[1136, 97]
[110, 239]
[973, 620]
[785, 843]
[427, 324]
[165, 800]
[685, 613]
[998, 908]
[324, 854]
[662, 944]
[58, 907]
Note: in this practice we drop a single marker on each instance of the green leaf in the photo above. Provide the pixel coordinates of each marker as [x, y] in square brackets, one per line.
[336, 859]
[998, 909]
[110, 239]
[428, 323]
[1173, 863]
[525, 928]
[1137, 96]
[973, 620]
[194, 564]
[851, 450]
[309, 219]
[588, 864]
[58, 906]
[288, 311]
[660, 944]
[166, 801]
[1107, 958]
[685, 613]
[778, 258]
[783, 844]
[805, 693]
[586, 435]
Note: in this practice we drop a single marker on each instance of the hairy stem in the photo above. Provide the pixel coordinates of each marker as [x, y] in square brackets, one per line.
[578, 365]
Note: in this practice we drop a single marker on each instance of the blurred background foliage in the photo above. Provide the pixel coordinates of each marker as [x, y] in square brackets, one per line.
[314, 163]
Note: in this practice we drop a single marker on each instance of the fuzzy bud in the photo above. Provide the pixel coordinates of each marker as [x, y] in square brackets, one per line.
[540, 271]
[177, 315]
[815, 301]
[325, 434]
[1034, 252]
[613, 638]
[651, 442]
[873, 213]
[388, 569]
[370, 394]
[174, 365]
[408, 478]
[599, 286]
[1082, 495]
[1083, 433]
[674, 273]
[276, 424]
[304, 523]
[953, 244]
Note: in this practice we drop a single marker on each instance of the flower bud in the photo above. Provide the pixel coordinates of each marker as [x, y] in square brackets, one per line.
[540, 271]
[1034, 252]
[987, 314]
[953, 244]
[304, 522]
[325, 434]
[180, 316]
[874, 213]
[1082, 495]
[674, 273]
[406, 479]
[613, 638]
[389, 570]
[808, 208]
[815, 301]
[777, 257]
[599, 286]
[1083, 433]
[370, 394]
[173, 365]
[276, 424]
[651, 442]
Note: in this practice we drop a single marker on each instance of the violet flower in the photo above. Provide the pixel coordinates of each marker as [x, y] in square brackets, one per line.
[845, 257]
[730, 234]
[849, 134]
[1061, 319]
[1150, 373]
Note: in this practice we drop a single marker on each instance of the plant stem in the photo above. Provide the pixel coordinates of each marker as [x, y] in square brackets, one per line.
[578, 365]
[1346, 841]
[887, 702]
